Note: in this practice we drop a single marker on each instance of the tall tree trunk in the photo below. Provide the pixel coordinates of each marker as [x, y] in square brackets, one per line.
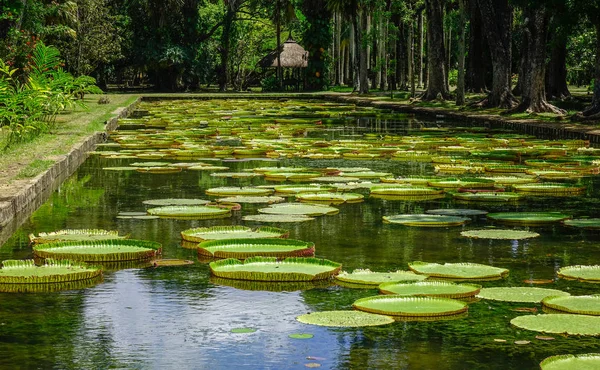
[375, 62]
[279, 48]
[460, 85]
[411, 59]
[337, 49]
[225, 46]
[478, 59]
[384, 50]
[353, 58]
[420, 62]
[401, 56]
[496, 16]
[556, 70]
[356, 51]
[594, 110]
[363, 84]
[534, 87]
[436, 54]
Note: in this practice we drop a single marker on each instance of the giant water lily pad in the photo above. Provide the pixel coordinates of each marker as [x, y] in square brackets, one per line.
[559, 324]
[404, 190]
[351, 319]
[299, 209]
[473, 271]
[528, 218]
[201, 234]
[499, 234]
[270, 269]
[330, 198]
[99, 251]
[488, 197]
[252, 199]
[550, 188]
[190, 212]
[442, 289]
[584, 223]
[456, 212]
[293, 189]
[584, 305]
[266, 247]
[580, 272]
[232, 191]
[176, 202]
[410, 306]
[519, 294]
[425, 220]
[53, 271]
[586, 361]
[278, 218]
[75, 234]
[369, 278]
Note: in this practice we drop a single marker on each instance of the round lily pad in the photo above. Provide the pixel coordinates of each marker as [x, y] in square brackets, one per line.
[462, 183]
[158, 170]
[371, 279]
[190, 212]
[53, 271]
[280, 176]
[499, 234]
[580, 272]
[456, 212]
[550, 188]
[393, 305]
[278, 218]
[232, 191]
[329, 198]
[176, 202]
[243, 330]
[442, 289]
[584, 305]
[351, 319]
[266, 247]
[299, 209]
[252, 199]
[236, 175]
[519, 294]
[138, 217]
[404, 190]
[301, 336]
[560, 324]
[270, 269]
[528, 218]
[295, 189]
[424, 220]
[76, 234]
[465, 271]
[586, 361]
[488, 197]
[584, 223]
[201, 234]
[99, 251]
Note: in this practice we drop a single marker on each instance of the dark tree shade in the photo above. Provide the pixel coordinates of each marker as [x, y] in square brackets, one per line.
[317, 38]
[436, 53]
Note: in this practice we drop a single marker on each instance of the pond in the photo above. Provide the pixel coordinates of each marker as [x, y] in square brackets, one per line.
[181, 317]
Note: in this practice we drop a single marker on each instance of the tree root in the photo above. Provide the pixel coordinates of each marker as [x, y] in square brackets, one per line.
[539, 107]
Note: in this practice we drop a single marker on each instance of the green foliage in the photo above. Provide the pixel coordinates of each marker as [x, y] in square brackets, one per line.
[269, 83]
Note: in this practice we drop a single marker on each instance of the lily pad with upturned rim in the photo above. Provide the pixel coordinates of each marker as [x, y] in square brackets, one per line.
[200, 234]
[100, 251]
[270, 269]
[232, 191]
[330, 198]
[266, 199]
[278, 218]
[582, 305]
[441, 289]
[465, 270]
[75, 235]
[586, 361]
[519, 294]
[488, 197]
[499, 234]
[559, 324]
[580, 272]
[350, 319]
[190, 212]
[265, 247]
[404, 190]
[53, 271]
[299, 209]
[584, 223]
[528, 218]
[295, 189]
[176, 202]
[425, 220]
[393, 305]
[371, 279]
[456, 212]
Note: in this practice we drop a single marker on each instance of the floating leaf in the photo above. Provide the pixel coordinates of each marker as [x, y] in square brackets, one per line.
[299, 209]
[370, 279]
[586, 361]
[120, 168]
[243, 330]
[456, 212]
[232, 191]
[250, 199]
[466, 271]
[582, 273]
[542, 337]
[278, 218]
[519, 294]
[201, 234]
[53, 271]
[99, 251]
[293, 189]
[350, 319]
[410, 306]
[269, 269]
[528, 218]
[404, 190]
[440, 289]
[330, 198]
[559, 324]
[522, 342]
[584, 305]
[190, 212]
[488, 197]
[584, 223]
[76, 234]
[424, 220]
[550, 189]
[499, 234]
[245, 248]
[271, 286]
[301, 336]
[176, 202]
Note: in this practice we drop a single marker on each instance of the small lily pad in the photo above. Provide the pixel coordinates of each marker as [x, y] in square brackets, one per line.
[176, 202]
[424, 220]
[519, 294]
[301, 209]
[301, 336]
[499, 234]
[243, 330]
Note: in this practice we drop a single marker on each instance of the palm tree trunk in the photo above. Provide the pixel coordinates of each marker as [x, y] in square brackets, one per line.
[436, 55]
[460, 85]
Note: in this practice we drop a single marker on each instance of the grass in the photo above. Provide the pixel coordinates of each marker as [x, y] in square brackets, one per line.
[29, 159]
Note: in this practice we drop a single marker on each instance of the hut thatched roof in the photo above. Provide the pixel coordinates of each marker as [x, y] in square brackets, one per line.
[292, 56]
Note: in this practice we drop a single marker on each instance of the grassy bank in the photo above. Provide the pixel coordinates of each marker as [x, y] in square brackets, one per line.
[29, 159]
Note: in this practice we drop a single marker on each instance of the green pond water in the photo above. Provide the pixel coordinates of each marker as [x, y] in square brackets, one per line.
[180, 318]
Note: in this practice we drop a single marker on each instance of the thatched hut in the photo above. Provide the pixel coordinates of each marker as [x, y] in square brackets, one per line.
[293, 58]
